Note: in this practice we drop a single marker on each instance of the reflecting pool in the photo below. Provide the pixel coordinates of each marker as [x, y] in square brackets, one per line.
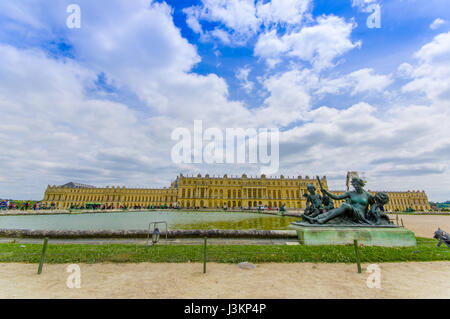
[140, 220]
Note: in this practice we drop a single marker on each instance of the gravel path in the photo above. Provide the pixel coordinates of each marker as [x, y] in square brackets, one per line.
[186, 280]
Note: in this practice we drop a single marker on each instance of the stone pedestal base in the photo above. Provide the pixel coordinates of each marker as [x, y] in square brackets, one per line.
[309, 234]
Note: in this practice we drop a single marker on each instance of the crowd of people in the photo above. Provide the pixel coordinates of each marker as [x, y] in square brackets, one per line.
[111, 206]
[7, 204]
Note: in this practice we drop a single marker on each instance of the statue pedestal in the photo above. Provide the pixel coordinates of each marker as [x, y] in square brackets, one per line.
[389, 236]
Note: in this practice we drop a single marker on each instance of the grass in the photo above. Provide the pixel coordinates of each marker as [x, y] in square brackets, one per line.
[425, 250]
[432, 213]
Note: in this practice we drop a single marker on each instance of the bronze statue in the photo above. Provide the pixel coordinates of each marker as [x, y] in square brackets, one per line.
[327, 203]
[356, 208]
[314, 205]
[376, 213]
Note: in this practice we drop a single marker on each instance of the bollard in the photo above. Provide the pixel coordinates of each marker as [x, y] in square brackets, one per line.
[397, 220]
[44, 249]
[204, 255]
[355, 242]
[402, 222]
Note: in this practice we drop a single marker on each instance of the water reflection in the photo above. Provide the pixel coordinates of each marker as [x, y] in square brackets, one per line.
[140, 220]
[261, 223]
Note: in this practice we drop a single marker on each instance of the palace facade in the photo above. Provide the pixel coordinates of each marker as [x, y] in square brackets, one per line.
[214, 192]
[79, 195]
[244, 191]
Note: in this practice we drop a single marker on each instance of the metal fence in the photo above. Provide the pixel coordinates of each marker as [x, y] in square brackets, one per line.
[190, 251]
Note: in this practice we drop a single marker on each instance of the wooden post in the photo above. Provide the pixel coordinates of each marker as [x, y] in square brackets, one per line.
[204, 255]
[44, 249]
[355, 243]
[402, 222]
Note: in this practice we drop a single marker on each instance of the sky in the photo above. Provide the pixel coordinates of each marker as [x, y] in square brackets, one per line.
[361, 85]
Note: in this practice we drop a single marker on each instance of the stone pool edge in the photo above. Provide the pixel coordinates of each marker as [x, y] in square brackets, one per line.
[189, 233]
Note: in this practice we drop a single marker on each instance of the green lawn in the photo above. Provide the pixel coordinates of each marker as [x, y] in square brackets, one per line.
[426, 250]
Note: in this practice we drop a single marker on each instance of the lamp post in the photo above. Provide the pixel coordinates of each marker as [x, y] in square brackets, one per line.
[155, 236]
[156, 233]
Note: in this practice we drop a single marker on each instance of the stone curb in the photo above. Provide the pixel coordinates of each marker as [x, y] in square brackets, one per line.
[210, 233]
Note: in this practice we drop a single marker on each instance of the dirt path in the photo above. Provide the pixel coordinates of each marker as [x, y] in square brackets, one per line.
[425, 226]
[300, 280]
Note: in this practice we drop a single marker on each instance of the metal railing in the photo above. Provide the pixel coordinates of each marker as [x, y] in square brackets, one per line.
[199, 251]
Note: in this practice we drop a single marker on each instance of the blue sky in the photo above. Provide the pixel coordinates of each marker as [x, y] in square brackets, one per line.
[405, 27]
[97, 104]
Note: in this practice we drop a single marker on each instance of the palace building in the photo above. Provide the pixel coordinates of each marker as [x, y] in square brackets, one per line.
[244, 191]
[214, 192]
[79, 195]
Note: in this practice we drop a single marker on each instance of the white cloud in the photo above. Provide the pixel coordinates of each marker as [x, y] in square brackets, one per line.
[242, 76]
[319, 44]
[405, 70]
[21, 12]
[435, 51]
[221, 35]
[67, 133]
[283, 11]
[291, 92]
[242, 19]
[53, 114]
[59, 131]
[107, 39]
[392, 144]
[403, 140]
[270, 47]
[362, 4]
[192, 14]
[365, 80]
[357, 82]
[283, 30]
[289, 99]
[238, 16]
[436, 23]
[431, 75]
[154, 63]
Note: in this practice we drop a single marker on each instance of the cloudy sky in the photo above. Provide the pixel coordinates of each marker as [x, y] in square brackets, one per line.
[97, 104]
